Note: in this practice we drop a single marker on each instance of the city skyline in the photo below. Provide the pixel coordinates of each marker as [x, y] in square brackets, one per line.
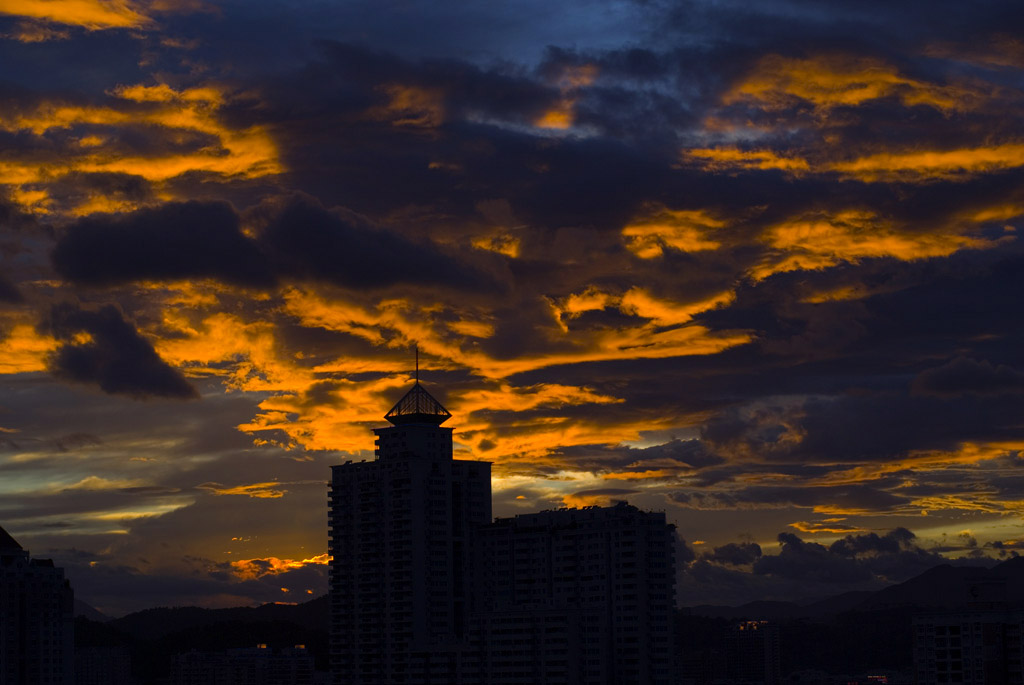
[755, 265]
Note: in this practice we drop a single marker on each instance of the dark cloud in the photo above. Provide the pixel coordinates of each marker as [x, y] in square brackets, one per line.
[893, 557]
[675, 454]
[808, 560]
[890, 543]
[170, 242]
[308, 241]
[734, 553]
[8, 292]
[968, 376]
[299, 239]
[112, 355]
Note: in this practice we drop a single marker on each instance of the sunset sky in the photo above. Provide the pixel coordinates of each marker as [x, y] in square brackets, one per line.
[753, 264]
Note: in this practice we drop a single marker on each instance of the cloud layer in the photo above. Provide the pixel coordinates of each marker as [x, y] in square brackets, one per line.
[757, 266]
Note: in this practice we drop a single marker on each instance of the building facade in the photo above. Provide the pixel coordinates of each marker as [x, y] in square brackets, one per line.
[260, 665]
[753, 653]
[981, 644]
[36, 619]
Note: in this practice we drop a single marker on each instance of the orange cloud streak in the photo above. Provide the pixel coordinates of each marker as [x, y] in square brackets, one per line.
[817, 242]
[248, 569]
[89, 14]
[661, 228]
[268, 490]
[829, 81]
[235, 153]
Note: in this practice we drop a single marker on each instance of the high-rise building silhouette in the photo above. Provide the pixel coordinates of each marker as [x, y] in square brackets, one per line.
[426, 589]
[401, 569]
[36, 619]
[576, 596]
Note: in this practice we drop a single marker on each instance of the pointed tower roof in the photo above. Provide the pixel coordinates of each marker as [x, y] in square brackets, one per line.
[418, 406]
[6, 541]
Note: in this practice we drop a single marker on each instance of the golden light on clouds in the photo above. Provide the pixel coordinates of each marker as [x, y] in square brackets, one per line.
[728, 158]
[562, 114]
[259, 567]
[173, 117]
[410, 106]
[89, 14]
[828, 81]
[818, 242]
[502, 243]
[828, 526]
[660, 228]
[931, 165]
[24, 350]
[270, 490]
[559, 117]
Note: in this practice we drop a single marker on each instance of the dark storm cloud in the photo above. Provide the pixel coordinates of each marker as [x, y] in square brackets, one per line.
[858, 427]
[308, 241]
[809, 560]
[734, 553]
[891, 542]
[299, 239]
[169, 242]
[113, 356]
[835, 498]
[674, 454]
[892, 557]
[8, 292]
[968, 376]
[448, 134]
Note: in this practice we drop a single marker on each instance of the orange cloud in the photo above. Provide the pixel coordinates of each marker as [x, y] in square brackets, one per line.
[36, 31]
[89, 14]
[727, 158]
[928, 165]
[410, 106]
[646, 341]
[173, 115]
[661, 228]
[639, 475]
[269, 490]
[827, 526]
[248, 569]
[24, 350]
[501, 243]
[829, 81]
[562, 115]
[821, 241]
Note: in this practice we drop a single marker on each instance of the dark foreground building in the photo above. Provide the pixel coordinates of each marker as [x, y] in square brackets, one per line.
[401, 573]
[36, 619]
[982, 645]
[426, 589]
[576, 596]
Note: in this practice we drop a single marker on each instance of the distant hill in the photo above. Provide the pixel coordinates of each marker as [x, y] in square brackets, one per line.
[783, 611]
[151, 624]
[154, 636]
[84, 610]
[954, 586]
[940, 587]
[856, 631]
